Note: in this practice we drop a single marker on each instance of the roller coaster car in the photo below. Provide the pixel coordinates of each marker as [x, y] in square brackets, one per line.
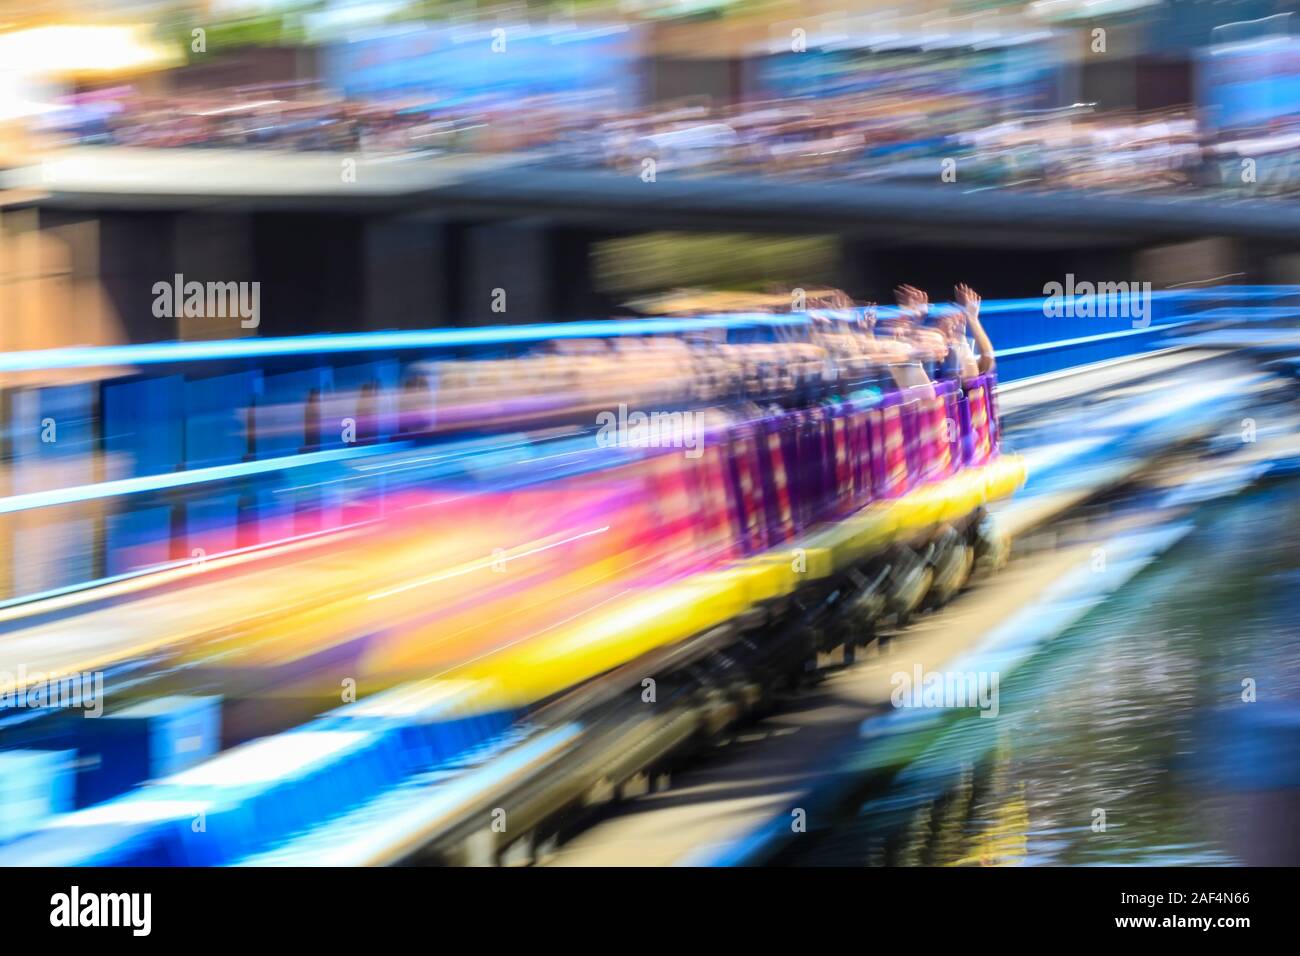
[870, 508]
[914, 467]
[875, 506]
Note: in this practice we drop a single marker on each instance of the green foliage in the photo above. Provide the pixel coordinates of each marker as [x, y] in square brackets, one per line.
[665, 260]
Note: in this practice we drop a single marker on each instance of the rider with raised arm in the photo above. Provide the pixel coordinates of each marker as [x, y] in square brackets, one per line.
[969, 301]
[965, 361]
[924, 345]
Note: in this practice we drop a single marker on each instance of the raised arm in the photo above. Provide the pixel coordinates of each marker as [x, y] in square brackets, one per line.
[912, 302]
[969, 300]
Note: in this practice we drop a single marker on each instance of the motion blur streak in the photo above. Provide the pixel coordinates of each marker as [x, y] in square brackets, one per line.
[456, 434]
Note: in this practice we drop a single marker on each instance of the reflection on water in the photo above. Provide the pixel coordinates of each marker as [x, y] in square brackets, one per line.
[1126, 740]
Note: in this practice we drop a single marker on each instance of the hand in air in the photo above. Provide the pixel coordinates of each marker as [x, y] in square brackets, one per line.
[912, 301]
[968, 299]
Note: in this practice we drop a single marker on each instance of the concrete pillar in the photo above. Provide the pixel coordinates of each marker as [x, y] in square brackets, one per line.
[136, 251]
[858, 271]
[311, 268]
[1283, 268]
[50, 285]
[508, 278]
[573, 278]
[1200, 261]
[213, 247]
[404, 275]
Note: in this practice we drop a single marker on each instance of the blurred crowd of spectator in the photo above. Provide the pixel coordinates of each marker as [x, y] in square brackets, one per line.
[858, 136]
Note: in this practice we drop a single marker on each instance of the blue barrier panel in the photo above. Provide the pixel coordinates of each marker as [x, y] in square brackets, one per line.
[369, 394]
[143, 426]
[137, 536]
[253, 796]
[211, 526]
[34, 786]
[143, 434]
[216, 811]
[216, 418]
[286, 416]
[52, 436]
[53, 442]
[287, 421]
[152, 739]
